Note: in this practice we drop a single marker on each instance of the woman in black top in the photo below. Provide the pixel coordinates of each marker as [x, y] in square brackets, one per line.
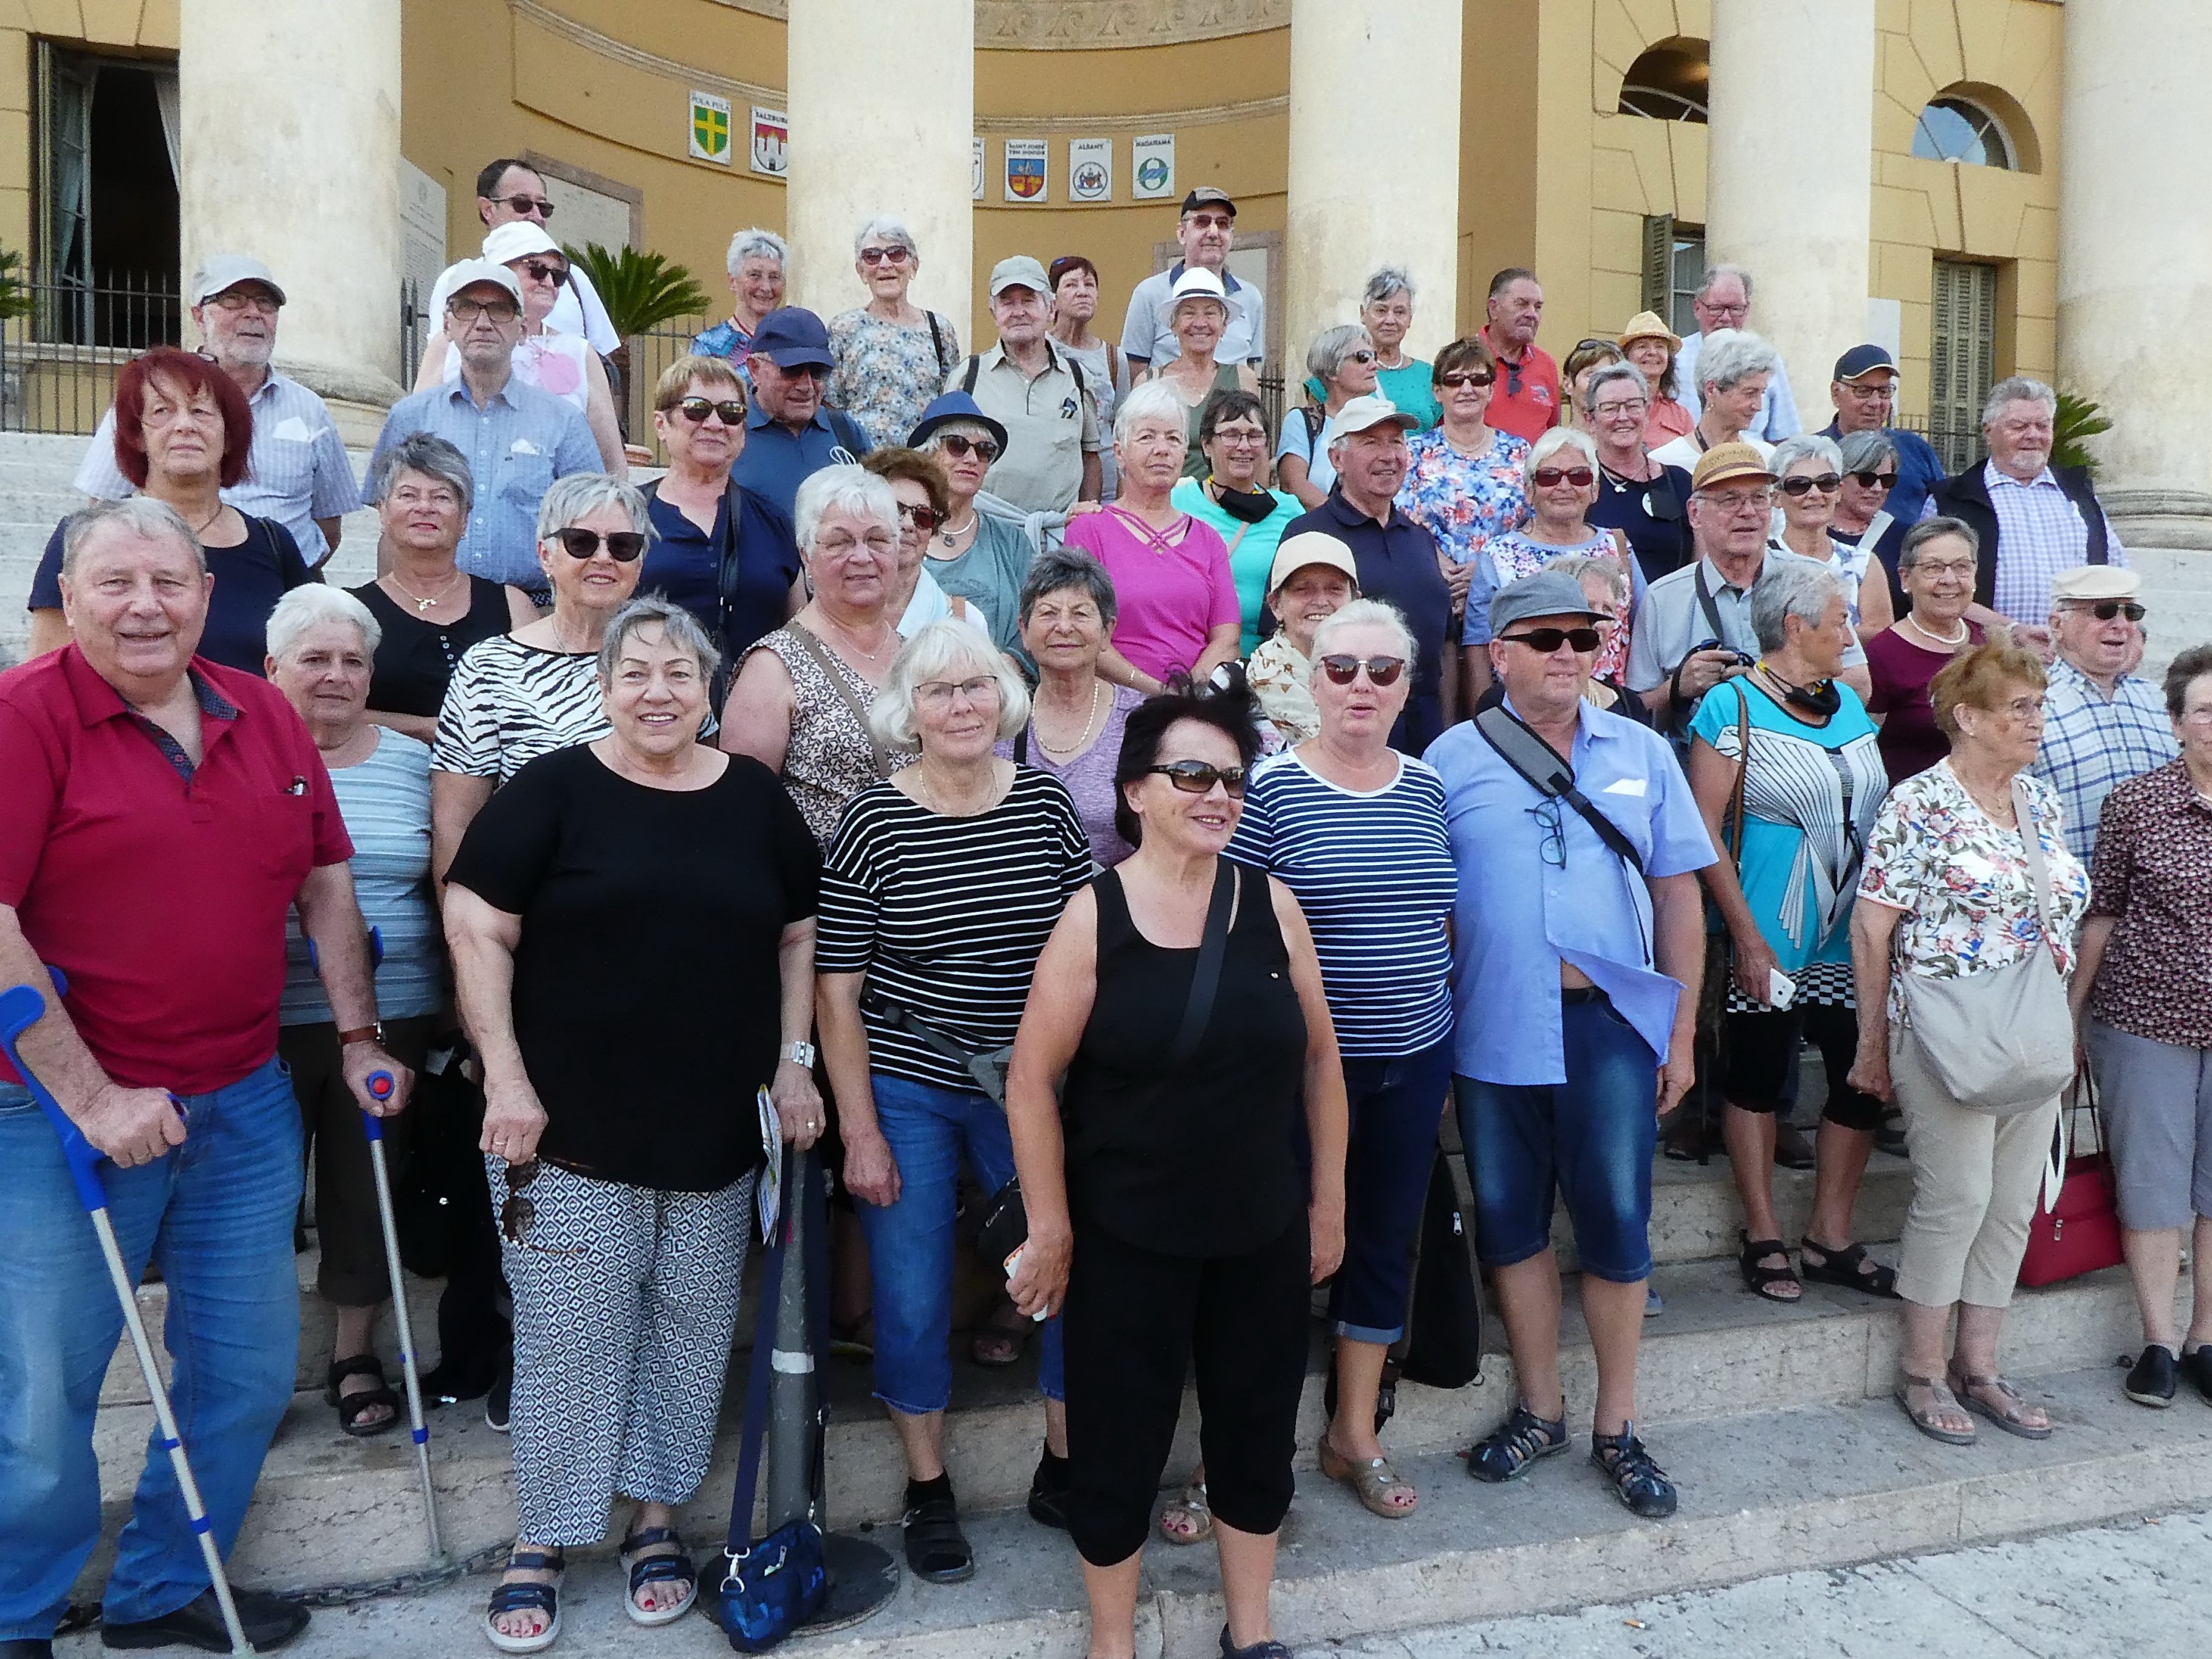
[430, 612]
[1645, 500]
[1193, 1186]
[632, 923]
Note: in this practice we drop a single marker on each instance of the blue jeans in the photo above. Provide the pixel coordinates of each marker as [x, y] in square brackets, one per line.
[1591, 1137]
[1396, 1105]
[910, 1243]
[216, 1212]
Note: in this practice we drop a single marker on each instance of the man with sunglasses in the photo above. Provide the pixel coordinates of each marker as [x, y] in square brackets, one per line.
[791, 435]
[508, 190]
[518, 438]
[1864, 391]
[1038, 394]
[1578, 946]
[2102, 723]
[1205, 232]
[1527, 401]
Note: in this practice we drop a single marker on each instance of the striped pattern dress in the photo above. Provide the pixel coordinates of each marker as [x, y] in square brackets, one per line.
[510, 703]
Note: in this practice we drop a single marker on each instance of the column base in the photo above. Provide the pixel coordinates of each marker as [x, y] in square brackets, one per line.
[2160, 518]
[359, 398]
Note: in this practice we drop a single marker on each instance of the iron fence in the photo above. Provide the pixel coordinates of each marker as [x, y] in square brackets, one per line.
[650, 354]
[1957, 444]
[65, 342]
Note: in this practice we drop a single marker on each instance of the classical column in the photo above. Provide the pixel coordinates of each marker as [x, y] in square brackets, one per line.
[2135, 244]
[859, 146]
[1363, 199]
[1789, 175]
[289, 151]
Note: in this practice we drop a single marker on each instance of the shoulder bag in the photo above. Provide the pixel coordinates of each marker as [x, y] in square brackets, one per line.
[826, 660]
[2002, 1041]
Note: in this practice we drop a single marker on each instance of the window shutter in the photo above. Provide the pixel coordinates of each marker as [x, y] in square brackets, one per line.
[1658, 261]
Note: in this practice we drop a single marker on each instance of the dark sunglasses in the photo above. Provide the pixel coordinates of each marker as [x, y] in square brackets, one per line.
[921, 518]
[516, 1215]
[957, 447]
[1197, 778]
[623, 545]
[1458, 377]
[1545, 640]
[1360, 357]
[1873, 480]
[876, 256]
[696, 410]
[2105, 610]
[536, 204]
[1580, 476]
[556, 275]
[1825, 483]
[464, 309]
[1381, 671]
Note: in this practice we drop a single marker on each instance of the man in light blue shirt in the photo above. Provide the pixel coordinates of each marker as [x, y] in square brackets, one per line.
[1724, 302]
[1207, 231]
[518, 438]
[1577, 954]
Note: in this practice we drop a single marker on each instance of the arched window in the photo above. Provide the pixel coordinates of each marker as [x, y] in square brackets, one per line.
[1669, 82]
[1954, 129]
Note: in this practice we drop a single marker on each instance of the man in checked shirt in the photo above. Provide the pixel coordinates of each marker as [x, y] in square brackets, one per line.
[2102, 724]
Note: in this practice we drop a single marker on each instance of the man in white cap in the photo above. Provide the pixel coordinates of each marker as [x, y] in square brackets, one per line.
[296, 473]
[2102, 723]
[1207, 231]
[518, 439]
[1038, 393]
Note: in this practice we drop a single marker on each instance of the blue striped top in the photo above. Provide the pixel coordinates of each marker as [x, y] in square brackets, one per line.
[1373, 872]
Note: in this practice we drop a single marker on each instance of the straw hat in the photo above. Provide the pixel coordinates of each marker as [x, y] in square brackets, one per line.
[1646, 326]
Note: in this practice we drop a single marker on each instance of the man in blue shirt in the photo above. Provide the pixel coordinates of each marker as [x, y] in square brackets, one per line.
[1577, 956]
[518, 438]
[1864, 393]
[789, 434]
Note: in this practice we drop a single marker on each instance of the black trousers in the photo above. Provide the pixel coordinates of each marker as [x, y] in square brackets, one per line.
[1136, 1321]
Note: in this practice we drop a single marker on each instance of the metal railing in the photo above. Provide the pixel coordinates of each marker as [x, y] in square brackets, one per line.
[1957, 444]
[650, 354]
[59, 357]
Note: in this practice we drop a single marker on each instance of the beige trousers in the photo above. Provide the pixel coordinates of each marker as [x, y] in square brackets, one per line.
[1976, 1177]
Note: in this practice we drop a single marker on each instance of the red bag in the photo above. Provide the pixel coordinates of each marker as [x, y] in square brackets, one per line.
[2076, 1228]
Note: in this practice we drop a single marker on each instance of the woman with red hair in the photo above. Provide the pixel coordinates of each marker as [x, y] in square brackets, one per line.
[182, 429]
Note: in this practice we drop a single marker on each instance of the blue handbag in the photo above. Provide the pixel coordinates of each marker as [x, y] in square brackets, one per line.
[772, 1585]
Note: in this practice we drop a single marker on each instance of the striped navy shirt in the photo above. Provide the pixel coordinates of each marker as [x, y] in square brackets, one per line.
[1373, 872]
[947, 916]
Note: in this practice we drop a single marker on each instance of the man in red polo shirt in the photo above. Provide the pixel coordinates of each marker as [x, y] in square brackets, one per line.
[159, 815]
[1526, 401]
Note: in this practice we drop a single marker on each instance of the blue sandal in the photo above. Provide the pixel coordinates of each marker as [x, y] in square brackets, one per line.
[528, 1597]
[1524, 1438]
[1637, 1481]
[643, 1570]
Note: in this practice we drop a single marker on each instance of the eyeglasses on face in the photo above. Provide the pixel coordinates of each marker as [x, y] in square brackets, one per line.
[467, 311]
[1458, 377]
[1195, 777]
[244, 299]
[527, 205]
[1630, 407]
[696, 410]
[623, 545]
[960, 448]
[1826, 483]
[840, 545]
[1544, 477]
[1582, 641]
[1208, 221]
[2105, 610]
[1938, 569]
[938, 694]
[1381, 671]
[2021, 708]
[538, 271]
[1741, 501]
[877, 256]
[1738, 312]
[920, 517]
[1874, 480]
[1360, 356]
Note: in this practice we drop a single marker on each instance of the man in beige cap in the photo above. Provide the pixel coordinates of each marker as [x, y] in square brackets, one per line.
[1037, 393]
[2102, 723]
[1693, 627]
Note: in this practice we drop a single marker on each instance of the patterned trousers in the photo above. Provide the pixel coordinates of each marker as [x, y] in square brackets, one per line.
[625, 1304]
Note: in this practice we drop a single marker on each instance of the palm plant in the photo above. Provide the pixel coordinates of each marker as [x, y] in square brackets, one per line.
[2078, 420]
[640, 290]
[15, 298]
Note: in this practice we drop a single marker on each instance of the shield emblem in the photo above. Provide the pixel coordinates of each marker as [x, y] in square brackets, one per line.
[1025, 176]
[712, 128]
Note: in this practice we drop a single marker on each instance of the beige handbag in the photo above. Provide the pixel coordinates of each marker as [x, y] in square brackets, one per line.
[2000, 1041]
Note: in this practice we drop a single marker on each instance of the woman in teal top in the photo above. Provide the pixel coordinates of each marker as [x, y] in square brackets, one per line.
[1232, 496]
[1386, 308]
[1812, 781]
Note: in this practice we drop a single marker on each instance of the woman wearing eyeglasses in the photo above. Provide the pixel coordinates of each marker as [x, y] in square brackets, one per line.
[1809, 479]
[1341, 366]
[720, 551]
[1936, 565]
[891, 355]
[1585, 360]
[973, 554]
[1233, 499]
[1645, 500]
[1192, 1188]
[641, 882]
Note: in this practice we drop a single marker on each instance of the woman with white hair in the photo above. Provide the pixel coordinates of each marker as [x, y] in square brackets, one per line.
[800, 700]
[1809, 480]
[1560, 477]
[1198, 315]
[891, 357]
[322, 655]
[758, 262]
[1733, 369]
[1339, 367]
[632, 922]
[939, 892]
[1386, 310]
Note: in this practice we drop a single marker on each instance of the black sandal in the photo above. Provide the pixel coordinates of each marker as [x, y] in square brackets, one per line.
[675, 1568]
[1640, 1484]
[1522, 1439]
[1849, 1266]
[1049, 1489]
[352, 1408]
[936, 1551]
[527, 1596]
[1760, 1281]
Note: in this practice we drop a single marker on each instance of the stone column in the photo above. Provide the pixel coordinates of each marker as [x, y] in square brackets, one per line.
[1789, 175]
[1364, 198]
[2135, 243]
[860, 145]
[290, 152]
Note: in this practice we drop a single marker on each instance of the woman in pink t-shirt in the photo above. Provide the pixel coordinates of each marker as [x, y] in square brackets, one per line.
[1177, 600]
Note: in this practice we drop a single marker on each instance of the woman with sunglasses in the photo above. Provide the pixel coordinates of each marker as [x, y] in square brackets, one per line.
[974, 554]
[1356, 832]
[527, 692]
[1645, 500]
[1862, 516]
[721, 551]
[1339, 367]
[891, 355]
[912, 594]
[641, 883]
[1809, 471]
[1192, 1189]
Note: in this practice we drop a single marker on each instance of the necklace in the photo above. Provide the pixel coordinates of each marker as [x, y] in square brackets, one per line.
[1937, 639]
[853, 640]
[925, 787]
[1997, 814]
[201, 528]
[1082, 736]
[951, 537]
[423, 604]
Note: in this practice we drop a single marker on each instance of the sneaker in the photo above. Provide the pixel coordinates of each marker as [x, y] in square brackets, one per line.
[1523, 1437]
[1654, 1304]
[1639, 1483]
[498, 1416]
[2153, 1381]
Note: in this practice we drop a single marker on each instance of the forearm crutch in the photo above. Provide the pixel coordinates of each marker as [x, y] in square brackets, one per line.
[381, 1083]
[21, 1008]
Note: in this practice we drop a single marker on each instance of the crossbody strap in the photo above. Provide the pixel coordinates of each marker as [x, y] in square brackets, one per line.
[916, 1026]
[827, 661]
[2031, 839]
[1547, 772]
[1743, 771]
[1206, 977]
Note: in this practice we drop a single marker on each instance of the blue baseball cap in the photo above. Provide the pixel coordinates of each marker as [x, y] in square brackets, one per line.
[1863, 360]
[793, 337]
[950, 408]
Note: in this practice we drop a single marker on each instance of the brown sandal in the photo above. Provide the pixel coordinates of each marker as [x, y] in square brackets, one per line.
[2007, 1410]
[1191, 1502]
[1373, 1479]
[1940, 1399]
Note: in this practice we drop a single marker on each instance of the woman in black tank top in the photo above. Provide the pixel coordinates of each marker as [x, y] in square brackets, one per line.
[1191, 1188]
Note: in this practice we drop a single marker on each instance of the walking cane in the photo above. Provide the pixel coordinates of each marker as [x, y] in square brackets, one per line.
[21, 1008]
[381, 1083]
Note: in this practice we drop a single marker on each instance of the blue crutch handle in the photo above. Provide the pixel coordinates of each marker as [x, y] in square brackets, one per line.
[381, 1083]
[21, 1008]
[375, 951]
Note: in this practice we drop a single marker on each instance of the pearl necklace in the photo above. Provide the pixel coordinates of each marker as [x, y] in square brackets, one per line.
[1964, 635]
[951, 537]
[1082, 736]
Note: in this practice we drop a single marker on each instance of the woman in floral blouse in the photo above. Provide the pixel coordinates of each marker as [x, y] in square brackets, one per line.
[892, 357]
[1945, 892]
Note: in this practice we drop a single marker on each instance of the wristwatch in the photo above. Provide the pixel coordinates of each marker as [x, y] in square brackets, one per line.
[800, 1054]
[372, 1033]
